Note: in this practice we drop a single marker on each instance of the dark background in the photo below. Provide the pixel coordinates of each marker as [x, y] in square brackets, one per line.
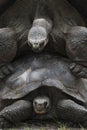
[80, 5]
[4, 4]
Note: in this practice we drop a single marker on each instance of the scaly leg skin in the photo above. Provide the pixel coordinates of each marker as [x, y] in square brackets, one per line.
[8, 49]
[15, 113]
[5, 123]
[6, 70]
[78, 70]
[71, 111]
[76, 47]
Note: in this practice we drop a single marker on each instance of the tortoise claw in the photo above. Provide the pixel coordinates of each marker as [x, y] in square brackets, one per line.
[4, 123]
[5, 71]
[78, 70]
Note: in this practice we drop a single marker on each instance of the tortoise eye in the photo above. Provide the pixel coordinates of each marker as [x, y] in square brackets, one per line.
[45, 103]
[35, 103]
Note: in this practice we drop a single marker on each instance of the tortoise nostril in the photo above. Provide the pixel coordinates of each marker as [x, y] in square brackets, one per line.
[40, 104]
[35, 103]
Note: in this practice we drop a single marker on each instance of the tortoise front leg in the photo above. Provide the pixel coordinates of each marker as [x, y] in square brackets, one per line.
[78, 70]
[71, 111]
[8, 49]
[76, 47]
[17, 112]
[6, 70]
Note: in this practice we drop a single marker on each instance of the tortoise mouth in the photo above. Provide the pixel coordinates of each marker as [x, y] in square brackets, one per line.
[38, 47]
[41, 111]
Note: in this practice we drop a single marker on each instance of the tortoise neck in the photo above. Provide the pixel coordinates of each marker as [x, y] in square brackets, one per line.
[43, 22]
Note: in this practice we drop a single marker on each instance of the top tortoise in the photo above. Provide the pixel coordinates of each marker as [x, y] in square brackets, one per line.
[51, 25]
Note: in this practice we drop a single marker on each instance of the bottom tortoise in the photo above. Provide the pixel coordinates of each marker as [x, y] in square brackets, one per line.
[42, 90]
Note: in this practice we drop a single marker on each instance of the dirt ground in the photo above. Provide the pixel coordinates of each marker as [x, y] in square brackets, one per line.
[35, 125]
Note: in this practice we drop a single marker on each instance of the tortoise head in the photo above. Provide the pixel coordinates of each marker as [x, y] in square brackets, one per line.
[41, 104]
[37, 38]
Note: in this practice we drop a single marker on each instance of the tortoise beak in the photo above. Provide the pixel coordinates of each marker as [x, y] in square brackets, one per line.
[38, 47]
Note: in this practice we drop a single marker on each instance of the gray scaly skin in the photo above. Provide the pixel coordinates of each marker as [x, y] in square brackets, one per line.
[7, 52]
[29, 92]
[49, 27]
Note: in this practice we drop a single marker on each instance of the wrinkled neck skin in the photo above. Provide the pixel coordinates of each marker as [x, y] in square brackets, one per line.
[43, 15]
[43, 22]
[38, 36]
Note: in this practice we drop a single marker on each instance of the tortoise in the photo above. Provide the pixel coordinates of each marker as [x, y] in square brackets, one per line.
[39, 90]
[54, 27]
